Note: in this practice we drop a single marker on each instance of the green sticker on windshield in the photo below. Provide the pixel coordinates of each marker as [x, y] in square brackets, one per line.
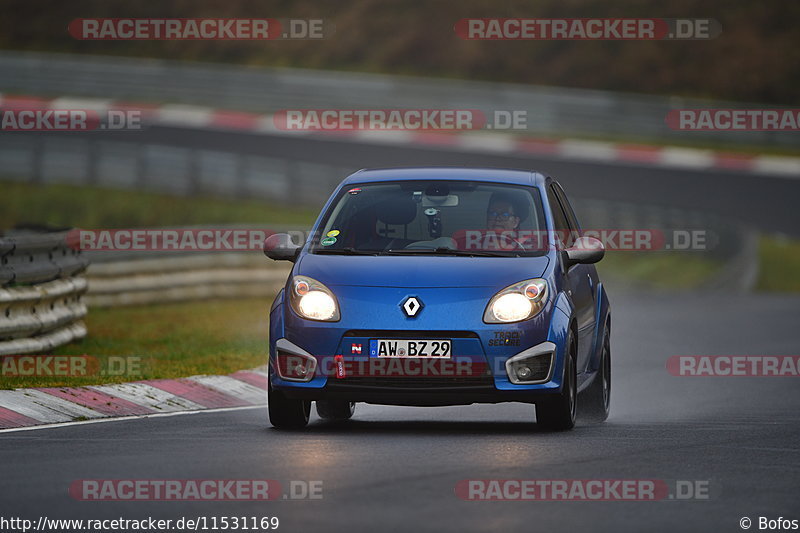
[327, 241]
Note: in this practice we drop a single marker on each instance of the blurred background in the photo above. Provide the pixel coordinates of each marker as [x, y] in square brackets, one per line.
[208, 154]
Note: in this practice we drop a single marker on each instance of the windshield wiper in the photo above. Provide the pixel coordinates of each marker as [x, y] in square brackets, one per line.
[448, 251]
[345, 251]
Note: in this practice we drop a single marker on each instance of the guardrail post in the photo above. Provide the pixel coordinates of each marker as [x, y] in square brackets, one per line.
[241, 176]
[293, 183]
[92, 156]
[38, 160]
[193, 168]
[141, 165]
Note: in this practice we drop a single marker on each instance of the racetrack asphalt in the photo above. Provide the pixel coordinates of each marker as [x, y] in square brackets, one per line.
[395, 468]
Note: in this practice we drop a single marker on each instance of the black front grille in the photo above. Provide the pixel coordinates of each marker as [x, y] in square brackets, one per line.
[425, 382]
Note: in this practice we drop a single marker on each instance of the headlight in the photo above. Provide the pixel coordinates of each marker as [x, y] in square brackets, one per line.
[517, 302]
[313, 300]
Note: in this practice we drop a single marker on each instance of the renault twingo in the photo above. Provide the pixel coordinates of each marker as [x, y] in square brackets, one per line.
[441, 286]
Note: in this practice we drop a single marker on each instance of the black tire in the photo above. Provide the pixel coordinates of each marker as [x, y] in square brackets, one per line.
[595, 402]
[558, 413]
[335, 409]
[285, 413]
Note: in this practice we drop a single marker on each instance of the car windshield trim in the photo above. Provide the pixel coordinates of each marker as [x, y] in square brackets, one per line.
[346, 251]
[449, 251]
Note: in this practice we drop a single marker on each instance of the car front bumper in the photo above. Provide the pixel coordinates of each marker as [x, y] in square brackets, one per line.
[468, 377]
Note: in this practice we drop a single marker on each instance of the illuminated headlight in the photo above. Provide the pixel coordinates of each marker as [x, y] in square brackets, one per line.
[517, 302]
[313, 300]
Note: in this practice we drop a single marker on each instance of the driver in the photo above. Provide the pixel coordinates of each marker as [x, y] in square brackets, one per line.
[501, 214]
[503, 217]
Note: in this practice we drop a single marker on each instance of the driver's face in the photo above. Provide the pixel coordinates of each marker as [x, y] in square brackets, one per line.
[501, 217]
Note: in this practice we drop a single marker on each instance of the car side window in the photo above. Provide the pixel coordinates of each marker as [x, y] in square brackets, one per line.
[559, 218]
[571, 218]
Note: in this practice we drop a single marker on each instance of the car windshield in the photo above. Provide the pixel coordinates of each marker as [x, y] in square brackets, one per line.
[433, 218]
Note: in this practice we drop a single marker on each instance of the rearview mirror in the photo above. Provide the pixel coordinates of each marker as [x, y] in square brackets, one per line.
[451, 200]
[281, 247]
[585, 251]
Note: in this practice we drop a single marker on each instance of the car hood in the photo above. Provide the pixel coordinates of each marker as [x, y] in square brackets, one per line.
[417, 271]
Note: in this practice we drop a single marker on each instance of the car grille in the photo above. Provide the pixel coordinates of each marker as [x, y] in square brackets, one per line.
[414, 382]
[410, 334]
[540, 367]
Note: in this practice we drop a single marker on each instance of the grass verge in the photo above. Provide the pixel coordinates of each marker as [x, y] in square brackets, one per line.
[166, 341]
[779, 265]
[95, 207]
[674, 270]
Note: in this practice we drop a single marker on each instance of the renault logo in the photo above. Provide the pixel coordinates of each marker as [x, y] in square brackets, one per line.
[412, 306]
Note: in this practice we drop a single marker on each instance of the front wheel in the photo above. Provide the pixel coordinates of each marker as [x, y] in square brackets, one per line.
[596, 401]
[285, 413]
[558, 413]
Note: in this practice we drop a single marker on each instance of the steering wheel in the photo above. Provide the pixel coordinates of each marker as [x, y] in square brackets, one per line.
[517, 244]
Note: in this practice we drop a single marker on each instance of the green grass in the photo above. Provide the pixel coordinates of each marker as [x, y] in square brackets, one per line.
[779, 265]
[167, 341]
[678, 270]
[95, 207]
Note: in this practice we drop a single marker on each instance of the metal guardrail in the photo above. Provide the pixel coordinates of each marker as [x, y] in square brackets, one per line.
[189, 276]
[41, 292]
[27, 257]
[552, 111]
[87, 160]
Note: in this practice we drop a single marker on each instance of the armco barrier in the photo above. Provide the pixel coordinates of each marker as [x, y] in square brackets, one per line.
[41, 292]
[552, 111]
[137, 280]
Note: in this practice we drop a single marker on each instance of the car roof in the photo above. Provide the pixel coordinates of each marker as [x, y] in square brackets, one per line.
[495, 175]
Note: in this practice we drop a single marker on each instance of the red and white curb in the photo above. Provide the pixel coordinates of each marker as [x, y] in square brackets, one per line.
[58, 405]
[674, 157]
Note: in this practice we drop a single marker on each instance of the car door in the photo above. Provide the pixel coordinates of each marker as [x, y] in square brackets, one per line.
[580, 279]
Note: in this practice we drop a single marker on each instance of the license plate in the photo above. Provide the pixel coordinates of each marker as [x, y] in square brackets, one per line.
[410, 348]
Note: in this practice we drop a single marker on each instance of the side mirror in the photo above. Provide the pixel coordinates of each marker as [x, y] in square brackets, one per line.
[281, 247]
[585, 250]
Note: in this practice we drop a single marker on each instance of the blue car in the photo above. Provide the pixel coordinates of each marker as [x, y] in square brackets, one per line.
[441, 286]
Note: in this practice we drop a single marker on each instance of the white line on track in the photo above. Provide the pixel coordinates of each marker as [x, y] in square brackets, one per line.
[135, 417]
